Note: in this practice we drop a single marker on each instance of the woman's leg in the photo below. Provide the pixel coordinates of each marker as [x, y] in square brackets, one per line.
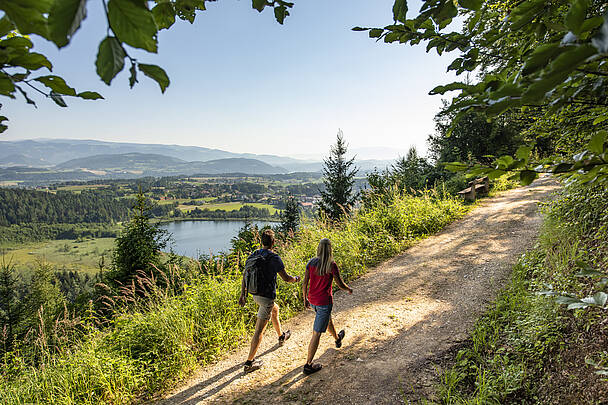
[313, 346]
[332, 329]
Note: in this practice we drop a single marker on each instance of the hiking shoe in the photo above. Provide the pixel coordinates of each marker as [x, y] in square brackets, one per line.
[311, 368]
[340, 337]
[285, 336]
[252, 365]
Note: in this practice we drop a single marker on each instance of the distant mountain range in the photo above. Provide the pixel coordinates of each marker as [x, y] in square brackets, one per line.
[150, 164]
[94, 159]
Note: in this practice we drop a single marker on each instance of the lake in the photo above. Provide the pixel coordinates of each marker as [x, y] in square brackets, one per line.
[193, 238]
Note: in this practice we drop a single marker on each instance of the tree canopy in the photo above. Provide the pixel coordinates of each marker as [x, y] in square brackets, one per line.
[544, 58]
[130, 23]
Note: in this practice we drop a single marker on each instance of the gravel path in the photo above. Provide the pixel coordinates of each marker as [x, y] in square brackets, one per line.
[404, 320]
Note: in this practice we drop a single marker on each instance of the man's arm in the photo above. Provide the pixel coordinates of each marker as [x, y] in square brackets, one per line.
[305, 289]
[287, 278]
[243, 296]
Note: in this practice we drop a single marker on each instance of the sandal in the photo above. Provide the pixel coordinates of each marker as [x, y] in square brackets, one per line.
[285, 336]
[339, 339]
[311, 368]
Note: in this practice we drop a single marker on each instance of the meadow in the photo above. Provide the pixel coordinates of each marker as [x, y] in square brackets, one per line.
[166, 332]
[81, 255]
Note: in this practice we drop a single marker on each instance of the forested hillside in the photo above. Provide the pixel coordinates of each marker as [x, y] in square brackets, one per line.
[18, 206]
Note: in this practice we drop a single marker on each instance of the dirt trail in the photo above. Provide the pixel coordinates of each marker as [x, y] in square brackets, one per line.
[405, 318]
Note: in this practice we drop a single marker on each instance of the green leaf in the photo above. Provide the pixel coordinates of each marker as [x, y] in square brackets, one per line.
[90, 95]
[400, 10]
[32, 61]
[561, 168]
[6, 26]
[596, 144]
[2, 126]
[541, 57]
[280, 12]
[591, 24]
[28, 15]
[258, 4]
[133, 76]
[64, 20]
[523, 153]
[456, 166]
[133, 23]
[471, 4]
[56, 84]
[600, 41]
[7, 87]
[58, 99]
[186, 9]
[526, 12]
[19, 45]
[449, 87]
[568, 61]
[576, 15]
[156, 73]
[375, 32]
[110, 59]
[527, 177]
[600, 119]
[164, 15]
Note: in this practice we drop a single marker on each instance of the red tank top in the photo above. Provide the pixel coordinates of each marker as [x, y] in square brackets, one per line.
[319, 291]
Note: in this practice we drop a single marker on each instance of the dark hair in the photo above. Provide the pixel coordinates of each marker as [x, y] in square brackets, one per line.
[268, 238]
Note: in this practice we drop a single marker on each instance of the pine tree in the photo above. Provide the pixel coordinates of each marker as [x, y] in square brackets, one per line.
[139, 245]
[290, 216]
[339, 178]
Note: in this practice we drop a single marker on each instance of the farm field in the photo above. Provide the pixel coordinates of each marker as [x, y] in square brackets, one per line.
[78, 255]
[227, 206]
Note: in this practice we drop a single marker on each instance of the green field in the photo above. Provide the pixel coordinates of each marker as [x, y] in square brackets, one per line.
[81, 255]
[80, 187]
[227, 206]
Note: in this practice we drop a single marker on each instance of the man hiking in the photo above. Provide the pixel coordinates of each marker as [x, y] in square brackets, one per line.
[264, 265]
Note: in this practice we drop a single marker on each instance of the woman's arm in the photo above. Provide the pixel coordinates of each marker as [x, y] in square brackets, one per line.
[305, 288]
[341, 282]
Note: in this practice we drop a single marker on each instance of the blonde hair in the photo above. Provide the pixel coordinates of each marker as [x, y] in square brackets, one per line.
[325, 256]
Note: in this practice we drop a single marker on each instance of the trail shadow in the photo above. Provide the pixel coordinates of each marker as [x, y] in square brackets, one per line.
[183, 397]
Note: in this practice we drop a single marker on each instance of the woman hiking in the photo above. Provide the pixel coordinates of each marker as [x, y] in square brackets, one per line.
[321, 271]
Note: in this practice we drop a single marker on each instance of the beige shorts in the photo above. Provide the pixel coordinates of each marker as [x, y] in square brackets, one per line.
[265, 306]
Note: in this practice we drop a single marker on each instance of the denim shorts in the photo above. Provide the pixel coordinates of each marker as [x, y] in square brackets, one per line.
[323, 314]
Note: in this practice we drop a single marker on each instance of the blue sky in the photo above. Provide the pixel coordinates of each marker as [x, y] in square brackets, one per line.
[242, 82]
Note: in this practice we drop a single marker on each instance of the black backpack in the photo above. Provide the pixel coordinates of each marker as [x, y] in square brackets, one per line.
[254, 272]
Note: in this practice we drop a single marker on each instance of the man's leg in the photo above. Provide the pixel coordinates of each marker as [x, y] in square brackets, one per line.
[313, 346]
[260, 325]
[275, 319]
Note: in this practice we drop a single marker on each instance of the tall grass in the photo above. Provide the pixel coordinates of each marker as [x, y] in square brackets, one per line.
[513, 342]
[159, 334]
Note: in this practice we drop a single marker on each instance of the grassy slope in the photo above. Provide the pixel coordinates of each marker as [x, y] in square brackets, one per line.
[78, 255]
[168, 336]
[528, 349]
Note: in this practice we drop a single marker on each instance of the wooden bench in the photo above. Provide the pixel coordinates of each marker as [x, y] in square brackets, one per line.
[477, 186]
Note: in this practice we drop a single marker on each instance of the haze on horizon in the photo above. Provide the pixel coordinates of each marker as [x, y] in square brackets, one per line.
[241, 82]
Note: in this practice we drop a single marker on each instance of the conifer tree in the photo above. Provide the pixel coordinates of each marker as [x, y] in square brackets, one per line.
[339, 178]
[290, 216]
[139, 245]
